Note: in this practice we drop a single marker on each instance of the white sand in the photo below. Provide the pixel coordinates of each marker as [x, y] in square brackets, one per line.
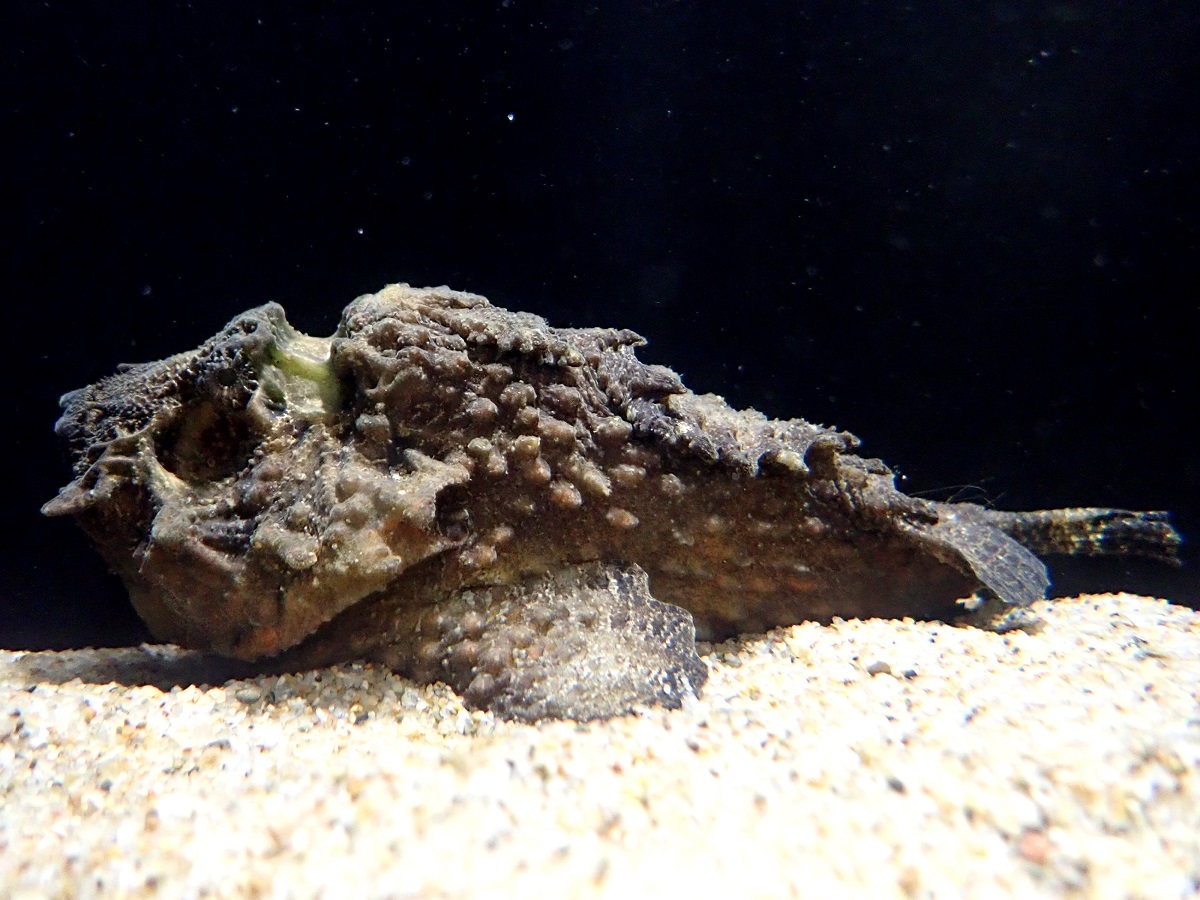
[1066, 761]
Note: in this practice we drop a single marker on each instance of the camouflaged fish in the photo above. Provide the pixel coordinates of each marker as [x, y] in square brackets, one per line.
[529, 514]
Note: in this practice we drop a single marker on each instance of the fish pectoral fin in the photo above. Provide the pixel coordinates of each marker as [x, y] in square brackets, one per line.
[584, 642]
[1004, 566]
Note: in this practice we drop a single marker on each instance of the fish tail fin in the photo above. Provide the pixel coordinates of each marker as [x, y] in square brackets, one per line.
[1092, 532]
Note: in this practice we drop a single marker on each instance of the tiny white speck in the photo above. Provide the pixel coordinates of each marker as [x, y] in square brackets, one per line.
[360, 230]
[511, 117]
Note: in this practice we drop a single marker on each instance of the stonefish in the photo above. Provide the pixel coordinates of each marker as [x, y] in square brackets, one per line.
[529, 514]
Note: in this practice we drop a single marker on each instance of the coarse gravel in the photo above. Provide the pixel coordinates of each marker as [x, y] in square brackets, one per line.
[870, 758]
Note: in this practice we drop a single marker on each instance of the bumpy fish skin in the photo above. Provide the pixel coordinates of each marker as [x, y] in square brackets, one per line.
[529, 513]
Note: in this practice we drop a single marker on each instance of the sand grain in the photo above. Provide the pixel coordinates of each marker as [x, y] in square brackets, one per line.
[895, 758]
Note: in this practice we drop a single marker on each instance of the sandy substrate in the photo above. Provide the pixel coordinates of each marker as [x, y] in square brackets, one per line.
[885, 757]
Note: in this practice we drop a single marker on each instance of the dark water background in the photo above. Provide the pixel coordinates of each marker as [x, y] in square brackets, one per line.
[969, 233]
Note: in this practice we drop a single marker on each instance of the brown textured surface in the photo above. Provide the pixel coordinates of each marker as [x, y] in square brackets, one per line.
[545, 647]
[274, 493]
